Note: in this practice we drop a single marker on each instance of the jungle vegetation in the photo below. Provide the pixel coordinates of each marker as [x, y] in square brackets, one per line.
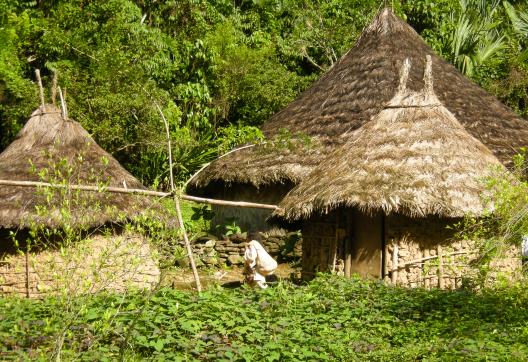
[220, 68]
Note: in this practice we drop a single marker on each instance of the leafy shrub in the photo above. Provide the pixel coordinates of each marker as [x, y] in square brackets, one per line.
[331, 318]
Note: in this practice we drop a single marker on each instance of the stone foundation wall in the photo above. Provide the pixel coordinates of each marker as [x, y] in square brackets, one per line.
[211, 250]
[112, 263]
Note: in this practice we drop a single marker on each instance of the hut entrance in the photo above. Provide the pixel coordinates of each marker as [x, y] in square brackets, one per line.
[363, 245]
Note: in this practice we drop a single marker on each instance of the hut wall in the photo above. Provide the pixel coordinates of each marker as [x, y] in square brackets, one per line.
[322, 244]
[365, 236]
[405, 242]
[247, 218]
[115, 263]
[410, 240]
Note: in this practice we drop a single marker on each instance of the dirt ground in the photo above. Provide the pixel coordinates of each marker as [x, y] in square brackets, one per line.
[229, 277]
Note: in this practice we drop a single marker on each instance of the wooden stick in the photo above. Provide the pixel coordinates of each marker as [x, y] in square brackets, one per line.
[120, 190]
[426, 279]
[334, 245]
[54, 88]
[41, 89]
[168, 144]
[394, 274]
[255, 205]
[63, 104]
[416, 261]
[208, 163]
[187, 245]
[348, 247]
[178, 208]
[27, 272]
[440, 267]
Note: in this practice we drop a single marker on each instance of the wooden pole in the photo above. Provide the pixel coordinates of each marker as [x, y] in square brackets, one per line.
[178, 208]
[27, 271]
[203, 200]
[440, 267]
[41, 89]
[63, 105]
[348, 246]
[54, 88]
[208, 163]
[334, 245]
[187, 245]
[427, 281]
[394, 274]
[120, 190]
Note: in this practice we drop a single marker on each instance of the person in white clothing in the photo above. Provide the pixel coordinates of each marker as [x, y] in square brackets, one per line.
[257, 264]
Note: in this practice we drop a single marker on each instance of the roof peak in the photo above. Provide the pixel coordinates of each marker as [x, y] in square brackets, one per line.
[386, 22]
[406, 97]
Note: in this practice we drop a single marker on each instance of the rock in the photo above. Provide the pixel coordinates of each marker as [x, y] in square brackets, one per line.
[210, 243]
[235, 259]
[210, 261]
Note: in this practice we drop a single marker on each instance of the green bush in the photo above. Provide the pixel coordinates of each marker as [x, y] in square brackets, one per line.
[331, 318]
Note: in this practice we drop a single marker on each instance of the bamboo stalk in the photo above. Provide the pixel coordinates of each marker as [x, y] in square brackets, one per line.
[41, 89]
[203, 200]
[334, 245]
[426, 279]
[348, 258]
[187, 245]
[394, 274]
[120, 190]
[27, 272]
[190, 254]
[416, 261]
[440, 267]
[208, 163]
[54, 88]
[63, 105]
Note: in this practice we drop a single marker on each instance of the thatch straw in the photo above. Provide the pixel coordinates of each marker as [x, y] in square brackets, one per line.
[357, 88]
[413, 158]
[53, 144]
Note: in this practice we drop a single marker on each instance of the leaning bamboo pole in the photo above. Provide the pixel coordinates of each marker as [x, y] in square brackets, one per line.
[41, 89]
[121, 190]
[176, 199]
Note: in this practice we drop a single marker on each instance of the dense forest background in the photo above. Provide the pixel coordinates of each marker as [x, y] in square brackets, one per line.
[220, 68]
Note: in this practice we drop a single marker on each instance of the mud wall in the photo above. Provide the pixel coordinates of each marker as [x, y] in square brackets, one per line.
[248, 219]
[111, 263]
[425, 252]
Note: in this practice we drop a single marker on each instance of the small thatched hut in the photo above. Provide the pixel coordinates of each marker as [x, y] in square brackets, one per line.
[56, 150]
[381, 202]
[347, 96]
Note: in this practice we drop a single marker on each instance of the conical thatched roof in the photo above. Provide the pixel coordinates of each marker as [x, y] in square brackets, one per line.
[52, 149]
[414, 158]
[357, 88]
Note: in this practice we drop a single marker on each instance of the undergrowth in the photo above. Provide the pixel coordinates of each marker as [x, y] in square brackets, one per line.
[331, 318]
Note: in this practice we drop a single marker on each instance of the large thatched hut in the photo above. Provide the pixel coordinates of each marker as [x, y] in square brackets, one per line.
[379, 205]
[58, 150]
[347, 96]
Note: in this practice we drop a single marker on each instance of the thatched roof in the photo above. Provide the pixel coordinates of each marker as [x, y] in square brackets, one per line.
[413, 158]
[357, 88]
[52, 149]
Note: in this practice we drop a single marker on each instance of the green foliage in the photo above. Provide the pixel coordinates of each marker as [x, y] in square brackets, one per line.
[219, 68]
[504, 223]
[329, 319]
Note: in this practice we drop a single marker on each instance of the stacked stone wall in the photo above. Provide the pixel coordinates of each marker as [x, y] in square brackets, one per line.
[211, 250]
